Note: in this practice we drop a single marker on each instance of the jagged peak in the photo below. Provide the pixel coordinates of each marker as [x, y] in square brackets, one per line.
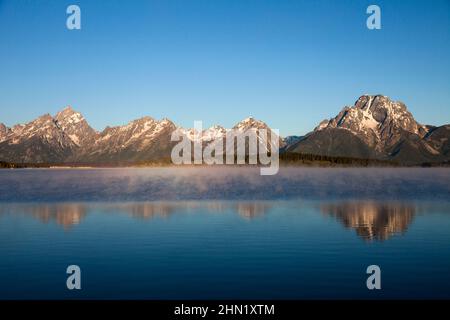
[216, 127]
[142, 119]
[132, 123]
[69, 116]
[250, 122]
[379, 101]
[166, 121]
[45, 117]
[323, 124]
[250, 119]
[68, 110]
[366, 95]
[146, 121]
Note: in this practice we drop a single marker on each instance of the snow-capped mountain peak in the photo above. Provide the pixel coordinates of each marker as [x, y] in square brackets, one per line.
[374, 118]
[218, 132]
[68, 117]
[214, 133]
[135, 136]
[73, 124]
[250, 122]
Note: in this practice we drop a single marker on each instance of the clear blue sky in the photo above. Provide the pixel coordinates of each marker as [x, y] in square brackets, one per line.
[289, 63]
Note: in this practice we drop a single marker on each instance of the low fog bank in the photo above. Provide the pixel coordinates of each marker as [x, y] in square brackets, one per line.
[223, 183]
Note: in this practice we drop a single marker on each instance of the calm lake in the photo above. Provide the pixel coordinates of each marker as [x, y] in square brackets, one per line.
[225, 233]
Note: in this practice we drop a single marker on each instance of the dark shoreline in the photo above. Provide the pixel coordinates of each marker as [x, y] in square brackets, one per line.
[283, 164]
[285, 159]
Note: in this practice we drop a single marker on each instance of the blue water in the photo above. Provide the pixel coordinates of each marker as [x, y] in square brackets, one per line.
[225, 233]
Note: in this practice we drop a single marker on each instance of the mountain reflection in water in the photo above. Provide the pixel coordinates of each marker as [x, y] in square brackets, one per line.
[71, 214]
[64, 214]
[372, 221]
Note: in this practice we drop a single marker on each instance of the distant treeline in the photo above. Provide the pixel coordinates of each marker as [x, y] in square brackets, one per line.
[291, 158]
[287, 158]
[8, 165]
[322, 160]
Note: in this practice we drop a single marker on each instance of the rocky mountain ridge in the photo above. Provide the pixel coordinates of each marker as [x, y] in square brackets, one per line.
[375, 127]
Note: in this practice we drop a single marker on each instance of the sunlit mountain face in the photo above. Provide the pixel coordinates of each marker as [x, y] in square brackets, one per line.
[375, 127]
[372, 221]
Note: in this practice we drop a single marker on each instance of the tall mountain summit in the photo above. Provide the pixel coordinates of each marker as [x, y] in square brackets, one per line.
[379, 128]
[41, 140]
[73, 124]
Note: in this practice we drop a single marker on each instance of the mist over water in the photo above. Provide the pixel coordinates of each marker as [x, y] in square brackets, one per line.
[225, 233]
[222, 183]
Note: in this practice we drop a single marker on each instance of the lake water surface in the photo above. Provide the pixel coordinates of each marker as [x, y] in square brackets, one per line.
[224, 233]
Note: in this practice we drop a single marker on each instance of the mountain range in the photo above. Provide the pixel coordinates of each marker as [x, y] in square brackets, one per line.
[375, 127]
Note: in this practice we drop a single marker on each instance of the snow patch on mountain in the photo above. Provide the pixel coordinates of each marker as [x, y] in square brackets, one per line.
[375, 119]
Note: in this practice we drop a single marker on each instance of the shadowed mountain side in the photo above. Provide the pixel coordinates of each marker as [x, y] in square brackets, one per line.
[334, 142]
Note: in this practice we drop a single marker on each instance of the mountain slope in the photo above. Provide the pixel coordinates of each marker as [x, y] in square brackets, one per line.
[143, 139]
[439, 138]
[3, 132]
[376, 127]
[41, 140]
[334, 142]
